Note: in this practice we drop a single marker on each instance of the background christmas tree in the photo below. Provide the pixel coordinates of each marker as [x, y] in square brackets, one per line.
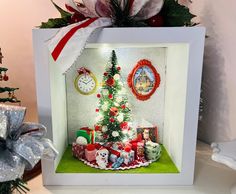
[10, 91]
[114, 112]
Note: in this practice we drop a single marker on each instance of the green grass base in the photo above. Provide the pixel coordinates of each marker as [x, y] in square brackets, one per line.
[69, 164]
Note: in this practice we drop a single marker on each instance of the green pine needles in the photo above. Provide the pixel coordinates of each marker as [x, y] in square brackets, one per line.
[114, 111]
[10, 186]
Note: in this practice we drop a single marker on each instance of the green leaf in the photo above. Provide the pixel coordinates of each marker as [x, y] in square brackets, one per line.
[55, 23]
[175, 14]
[63, 13]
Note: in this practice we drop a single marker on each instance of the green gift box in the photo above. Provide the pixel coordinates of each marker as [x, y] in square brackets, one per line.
[87, 133]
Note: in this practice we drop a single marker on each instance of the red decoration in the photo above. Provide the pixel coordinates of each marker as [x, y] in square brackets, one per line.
[77, 17]
[127, 148]
[156, 21]
[110, 96]
[5, 77]
[110, 82]
[113, 111]
[97, 128]
[97, 110]
[105, 74]
[124, 126]
[123, 106]
[99, 95]
[112, 120]
[91, 147]
[141, 64]
[118, 68]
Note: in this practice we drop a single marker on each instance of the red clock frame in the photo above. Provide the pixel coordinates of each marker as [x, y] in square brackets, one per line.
[130, 79]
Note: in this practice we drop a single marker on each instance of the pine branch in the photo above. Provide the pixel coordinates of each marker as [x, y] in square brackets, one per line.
[7, 89]
[9, 186]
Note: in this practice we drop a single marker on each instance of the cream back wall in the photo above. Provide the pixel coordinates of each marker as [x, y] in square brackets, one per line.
[17, 18]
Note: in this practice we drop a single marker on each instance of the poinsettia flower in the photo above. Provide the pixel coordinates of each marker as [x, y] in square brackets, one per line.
[140, 9]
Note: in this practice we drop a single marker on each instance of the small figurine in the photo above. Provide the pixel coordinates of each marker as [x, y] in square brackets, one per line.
[102, 158]
[146, 135]
[118, 163]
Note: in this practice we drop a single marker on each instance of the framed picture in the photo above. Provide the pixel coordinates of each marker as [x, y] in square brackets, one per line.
[61, 109]
[144, 80]
[152, 133]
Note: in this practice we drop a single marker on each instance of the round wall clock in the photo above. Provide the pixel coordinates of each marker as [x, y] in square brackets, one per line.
[144, 80]
[85, 82]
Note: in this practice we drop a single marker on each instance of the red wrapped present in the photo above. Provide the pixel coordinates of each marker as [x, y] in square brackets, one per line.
[90, 152]
[78, 151]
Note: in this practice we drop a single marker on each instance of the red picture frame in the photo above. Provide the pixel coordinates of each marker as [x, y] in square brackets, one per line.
[144, 80]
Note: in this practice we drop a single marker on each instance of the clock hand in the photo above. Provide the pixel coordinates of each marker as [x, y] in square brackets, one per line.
[89, 81]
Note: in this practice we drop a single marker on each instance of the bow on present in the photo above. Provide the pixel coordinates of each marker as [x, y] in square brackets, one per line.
[67, 45]
[21, 144]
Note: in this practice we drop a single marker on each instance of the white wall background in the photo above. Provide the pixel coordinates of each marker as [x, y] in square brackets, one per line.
[17, 18]
[81, 108]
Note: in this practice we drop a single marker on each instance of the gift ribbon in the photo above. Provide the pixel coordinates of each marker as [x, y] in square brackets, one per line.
[89, 132]
[67, 45]
[59, 47]
[22, 144]
[83, 70]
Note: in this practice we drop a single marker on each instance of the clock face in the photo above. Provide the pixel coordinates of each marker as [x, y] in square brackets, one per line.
[86, 83]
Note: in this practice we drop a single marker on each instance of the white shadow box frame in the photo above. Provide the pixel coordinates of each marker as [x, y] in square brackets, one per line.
[185, 48]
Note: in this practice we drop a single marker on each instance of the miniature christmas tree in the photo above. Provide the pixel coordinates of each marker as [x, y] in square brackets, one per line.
[113, 111]
[11, 91]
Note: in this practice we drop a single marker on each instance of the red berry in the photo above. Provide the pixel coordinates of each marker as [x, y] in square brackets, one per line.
[112, 120]
[118, 68]
[99, 95]
[110, 82]
[5, 78]
[156, 21]
[123, 106]
[97, 110]
[97, 128]
[110, 96]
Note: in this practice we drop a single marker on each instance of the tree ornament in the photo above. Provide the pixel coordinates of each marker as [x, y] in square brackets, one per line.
[116, 104]
[119, 99]
[120, 117]
[124, 126]
[113, 111]
[104, 107]
[97, 128]
[116, 77]
[156, 21]
[112, 120]
[119, 68]
[115, 134]
[98, 95]
[110, 96]
[5, 77]
[105, 92]
[123, 106]
[110, 82]
[105, 74]
[97, 110]
[104, 128]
